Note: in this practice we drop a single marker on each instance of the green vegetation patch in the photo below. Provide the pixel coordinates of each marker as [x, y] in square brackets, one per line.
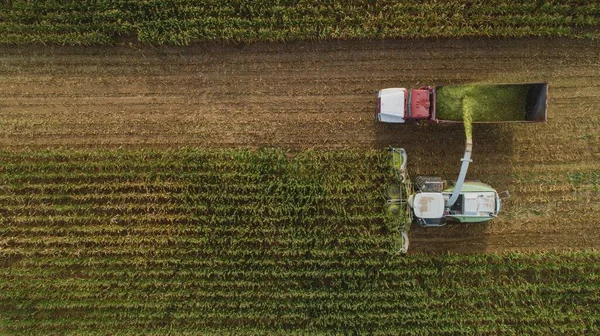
[481, 103]
[220, 242]
[182, 22]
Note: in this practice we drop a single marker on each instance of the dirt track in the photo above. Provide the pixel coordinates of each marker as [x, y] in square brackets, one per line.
[322, 95]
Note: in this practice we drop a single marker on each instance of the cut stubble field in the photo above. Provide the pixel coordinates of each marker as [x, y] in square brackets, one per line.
[298, 96]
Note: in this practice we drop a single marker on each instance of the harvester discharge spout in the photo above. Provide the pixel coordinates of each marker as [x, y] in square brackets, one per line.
[463, 173]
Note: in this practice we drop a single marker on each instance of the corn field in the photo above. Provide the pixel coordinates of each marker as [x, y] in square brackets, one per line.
[232, 187]
[181, 22]
[193, 241]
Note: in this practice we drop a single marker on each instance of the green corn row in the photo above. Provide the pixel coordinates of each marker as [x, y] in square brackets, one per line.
[181, 22]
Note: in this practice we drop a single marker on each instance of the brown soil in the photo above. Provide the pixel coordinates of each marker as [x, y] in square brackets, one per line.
[322, 95]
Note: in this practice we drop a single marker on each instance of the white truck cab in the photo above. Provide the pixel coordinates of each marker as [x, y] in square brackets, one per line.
[391, 104]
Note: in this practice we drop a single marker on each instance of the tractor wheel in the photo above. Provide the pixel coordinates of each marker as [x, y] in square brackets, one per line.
[394, 191]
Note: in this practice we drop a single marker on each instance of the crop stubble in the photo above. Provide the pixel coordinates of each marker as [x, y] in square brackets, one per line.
[321, 95]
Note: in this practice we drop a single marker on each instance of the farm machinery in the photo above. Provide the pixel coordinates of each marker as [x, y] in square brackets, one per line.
[488, 103]
[430, 201]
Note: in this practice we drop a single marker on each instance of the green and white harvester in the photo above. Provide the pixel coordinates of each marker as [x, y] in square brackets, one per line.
[430, 201]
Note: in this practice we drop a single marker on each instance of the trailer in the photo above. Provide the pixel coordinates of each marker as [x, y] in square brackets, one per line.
[489, 103]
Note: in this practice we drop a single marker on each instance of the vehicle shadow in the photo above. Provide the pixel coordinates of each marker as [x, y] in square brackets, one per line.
[436, 150]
